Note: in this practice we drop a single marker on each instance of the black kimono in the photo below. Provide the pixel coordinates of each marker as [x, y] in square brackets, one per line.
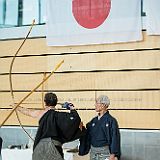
[60, 126]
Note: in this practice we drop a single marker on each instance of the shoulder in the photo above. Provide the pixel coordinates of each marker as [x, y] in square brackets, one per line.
[72, 115]
[110, 118]
[92, 120]
[66, 112]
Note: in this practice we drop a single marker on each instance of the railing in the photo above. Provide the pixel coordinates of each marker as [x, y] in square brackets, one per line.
[15, 13]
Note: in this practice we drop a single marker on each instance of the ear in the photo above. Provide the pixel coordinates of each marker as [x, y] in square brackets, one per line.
[103, 106]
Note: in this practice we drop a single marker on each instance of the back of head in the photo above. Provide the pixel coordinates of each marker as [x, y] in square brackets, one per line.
[103, 99]
[50, 99]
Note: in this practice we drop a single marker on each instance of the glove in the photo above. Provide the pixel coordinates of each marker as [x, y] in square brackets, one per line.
[67, 105]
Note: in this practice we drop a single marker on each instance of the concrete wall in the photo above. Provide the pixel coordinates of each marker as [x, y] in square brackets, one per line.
[135, 144]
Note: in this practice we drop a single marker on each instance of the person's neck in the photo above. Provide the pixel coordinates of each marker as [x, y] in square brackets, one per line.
[101, 113]
[49, 107]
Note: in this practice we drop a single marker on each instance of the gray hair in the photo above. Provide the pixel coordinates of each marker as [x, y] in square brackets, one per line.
[104, 100]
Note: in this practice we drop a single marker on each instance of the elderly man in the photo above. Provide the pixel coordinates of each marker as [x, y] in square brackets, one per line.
[102, 134]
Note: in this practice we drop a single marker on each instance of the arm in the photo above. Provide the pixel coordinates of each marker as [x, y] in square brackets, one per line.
[31, 112]
[115, 141]
[85, 145]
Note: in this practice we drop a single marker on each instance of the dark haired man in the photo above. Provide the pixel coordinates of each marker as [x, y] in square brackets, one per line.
[55, 128]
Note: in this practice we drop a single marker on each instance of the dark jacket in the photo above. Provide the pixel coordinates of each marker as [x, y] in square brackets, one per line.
[106, 133]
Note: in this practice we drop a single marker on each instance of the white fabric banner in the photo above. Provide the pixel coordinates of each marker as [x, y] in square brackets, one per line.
[152, 9]
[82, 22]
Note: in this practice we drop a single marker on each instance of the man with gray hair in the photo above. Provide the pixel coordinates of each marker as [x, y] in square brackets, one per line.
[102, 135]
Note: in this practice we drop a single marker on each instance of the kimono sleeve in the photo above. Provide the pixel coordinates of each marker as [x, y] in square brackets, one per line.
[68, 125]
[85, 144]
[115, 139]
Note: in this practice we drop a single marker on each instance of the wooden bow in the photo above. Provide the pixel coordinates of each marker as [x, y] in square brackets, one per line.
[45, 79]
[10, 78]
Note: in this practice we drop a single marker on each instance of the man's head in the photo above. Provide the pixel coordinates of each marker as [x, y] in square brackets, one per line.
[102, 103]
[50, 99]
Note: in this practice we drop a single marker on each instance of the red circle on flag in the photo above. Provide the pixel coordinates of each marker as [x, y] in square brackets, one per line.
[91, 13]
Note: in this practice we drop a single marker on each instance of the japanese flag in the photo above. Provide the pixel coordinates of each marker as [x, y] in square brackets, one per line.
[82, 22]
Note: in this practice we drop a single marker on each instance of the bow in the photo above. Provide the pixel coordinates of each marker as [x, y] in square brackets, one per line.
[44, 76]
[10, 79]
[34, 89]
